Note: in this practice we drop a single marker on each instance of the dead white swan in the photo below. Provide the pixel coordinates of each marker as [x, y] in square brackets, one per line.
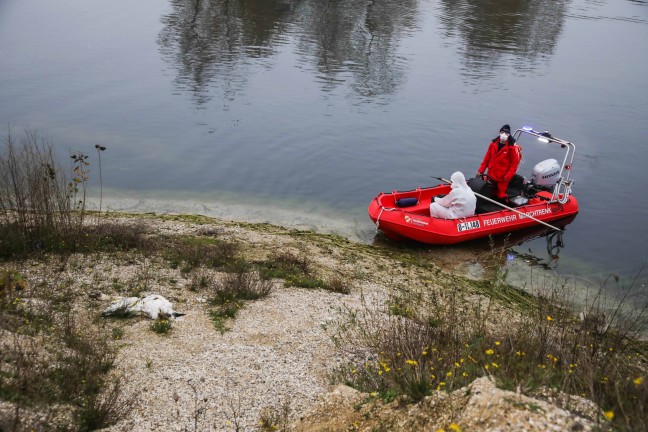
[154, 306]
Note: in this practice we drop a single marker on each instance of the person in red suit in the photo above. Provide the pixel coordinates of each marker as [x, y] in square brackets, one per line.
[501, 160]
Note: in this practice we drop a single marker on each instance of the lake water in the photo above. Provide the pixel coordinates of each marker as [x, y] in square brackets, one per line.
[300, 111]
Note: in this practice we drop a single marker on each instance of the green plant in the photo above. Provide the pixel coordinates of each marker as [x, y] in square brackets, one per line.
[295, 270]
[338, 285]
[189, 253]
[199, 281]
[305, 281]
[242, 285]
[117, 333]
[285, 264]
[223, 312]
[161, 326]
[275, 419]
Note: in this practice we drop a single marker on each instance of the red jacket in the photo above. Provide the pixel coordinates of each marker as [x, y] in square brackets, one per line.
[502, 164]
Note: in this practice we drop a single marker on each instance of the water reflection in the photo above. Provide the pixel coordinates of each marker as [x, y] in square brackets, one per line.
[498, 35]
[359, 37]
[212, 42]
[208, 40]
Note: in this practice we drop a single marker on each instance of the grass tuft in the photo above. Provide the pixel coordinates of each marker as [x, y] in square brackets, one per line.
[161, 326]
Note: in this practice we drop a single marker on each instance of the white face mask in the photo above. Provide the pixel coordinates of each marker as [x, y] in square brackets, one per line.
[503, 136]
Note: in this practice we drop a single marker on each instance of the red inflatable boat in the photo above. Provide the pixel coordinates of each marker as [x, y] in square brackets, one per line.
[544, 200]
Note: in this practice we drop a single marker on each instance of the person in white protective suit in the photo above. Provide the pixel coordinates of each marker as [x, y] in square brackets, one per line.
[460, 202]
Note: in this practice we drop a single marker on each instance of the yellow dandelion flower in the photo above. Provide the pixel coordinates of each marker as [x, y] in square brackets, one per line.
[465, 374]
[609, 415]
[486, 367]
[412, 362]
[373, 394]
[455, 427]
[489, 351]
[638, 381]
[549, 318]
[497, 343]
[495, 364]
[440, 430]
[449, 374]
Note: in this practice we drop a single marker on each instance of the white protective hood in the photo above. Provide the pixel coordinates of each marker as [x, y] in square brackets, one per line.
[461, 201]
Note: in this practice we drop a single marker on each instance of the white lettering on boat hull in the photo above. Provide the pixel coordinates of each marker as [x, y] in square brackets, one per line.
[538, 212]
[415, 221]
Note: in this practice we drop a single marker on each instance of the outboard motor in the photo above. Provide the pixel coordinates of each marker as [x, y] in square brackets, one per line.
[545, 175]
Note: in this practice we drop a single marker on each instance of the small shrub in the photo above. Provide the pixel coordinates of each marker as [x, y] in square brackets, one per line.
[338, 285]
[224, 312]
[241, 285]
[398, 307]
[305, 281]
[189, 253]
[285, 265]
[232, 291]
[161, 326]
[275, 419]
[110, 237]
[199, 281]
[296, 271]
[117, 333]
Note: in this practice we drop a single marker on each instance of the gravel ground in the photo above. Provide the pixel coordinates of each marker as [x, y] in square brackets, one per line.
[278, 350]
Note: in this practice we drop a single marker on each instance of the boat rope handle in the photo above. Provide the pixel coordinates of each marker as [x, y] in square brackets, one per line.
[379, 214]
[378, 218]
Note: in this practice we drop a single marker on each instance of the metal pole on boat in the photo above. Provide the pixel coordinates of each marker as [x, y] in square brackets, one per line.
[505, 206]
